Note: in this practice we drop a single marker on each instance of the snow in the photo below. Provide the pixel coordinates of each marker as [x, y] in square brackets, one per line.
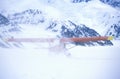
[36, 61]
[84, 62]
[41, 61]
[98, 17]
[33, 31]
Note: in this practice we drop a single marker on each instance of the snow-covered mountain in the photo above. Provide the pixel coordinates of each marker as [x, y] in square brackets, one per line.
[30, 16]
[3, 20]
[6, 28]
[114, 31]
[70, 29]
[68, 19]
[114, 3]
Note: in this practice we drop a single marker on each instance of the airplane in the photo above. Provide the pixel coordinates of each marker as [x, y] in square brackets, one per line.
[62, 41]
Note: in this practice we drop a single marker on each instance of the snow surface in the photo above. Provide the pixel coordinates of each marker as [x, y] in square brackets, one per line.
[83, 63]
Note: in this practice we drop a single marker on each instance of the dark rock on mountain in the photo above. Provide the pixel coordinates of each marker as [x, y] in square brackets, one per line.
[114, 3]
[30, 16]
[78, 1]
[114, 31]
[3, 20]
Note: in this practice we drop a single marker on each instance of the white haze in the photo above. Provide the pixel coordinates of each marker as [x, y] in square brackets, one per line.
[37, 61]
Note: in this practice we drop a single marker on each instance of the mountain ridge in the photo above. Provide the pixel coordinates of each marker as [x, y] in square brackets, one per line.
[67, 23]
